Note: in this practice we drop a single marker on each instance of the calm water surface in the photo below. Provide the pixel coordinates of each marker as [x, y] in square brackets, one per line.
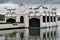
[37, 38]
[59, 30]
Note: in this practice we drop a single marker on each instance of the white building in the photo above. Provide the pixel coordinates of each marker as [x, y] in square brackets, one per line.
[40, 18]
[23, 14]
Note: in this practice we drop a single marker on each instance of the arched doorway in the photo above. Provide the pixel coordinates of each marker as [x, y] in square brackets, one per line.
[34, 27]
[11, 20]
[22, 19]
[34, 22]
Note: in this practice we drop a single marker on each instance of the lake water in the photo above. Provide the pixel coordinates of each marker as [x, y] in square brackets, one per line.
[23, 34]
[58, 30]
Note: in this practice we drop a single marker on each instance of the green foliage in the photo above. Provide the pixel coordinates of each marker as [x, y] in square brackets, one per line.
[58, 18]
[2, 17]
[10, 23]
[5, 23]
[15, 24]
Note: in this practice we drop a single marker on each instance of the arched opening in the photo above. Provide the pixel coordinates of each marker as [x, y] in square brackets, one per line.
[22, 19]
[34, 22]
[34, 25]
[11, 20]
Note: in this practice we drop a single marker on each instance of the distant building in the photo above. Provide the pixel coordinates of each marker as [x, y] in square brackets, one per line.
[41, 21]
[40, 14]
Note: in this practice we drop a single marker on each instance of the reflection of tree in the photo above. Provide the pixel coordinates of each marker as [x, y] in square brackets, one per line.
[13, 34]
[2, 17]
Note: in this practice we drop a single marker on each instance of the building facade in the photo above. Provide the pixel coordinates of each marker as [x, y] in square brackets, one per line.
[40, 21]
[23, 14]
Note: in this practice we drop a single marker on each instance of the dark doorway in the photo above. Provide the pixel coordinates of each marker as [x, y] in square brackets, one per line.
[22, 19]
[11, 20]
[34, 27]
[34, 22]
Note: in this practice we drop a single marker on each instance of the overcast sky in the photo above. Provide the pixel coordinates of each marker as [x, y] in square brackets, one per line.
[33, 1]
[55, 3]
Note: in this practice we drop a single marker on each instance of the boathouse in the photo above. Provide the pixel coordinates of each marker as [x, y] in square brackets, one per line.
[27, 15]
[32, 23]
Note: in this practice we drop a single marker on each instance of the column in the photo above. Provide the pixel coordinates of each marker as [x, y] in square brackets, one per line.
[56, 18]
[18, 18]
[46, 24]
[26, 21]
[41, 20]
[56, 28]
[49, 19]
[52, 26]
[52, 19]
[26, 34]
[5, 18]
[41, 25]
[49, 26]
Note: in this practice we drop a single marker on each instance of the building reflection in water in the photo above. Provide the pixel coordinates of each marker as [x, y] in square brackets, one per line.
[32, 34]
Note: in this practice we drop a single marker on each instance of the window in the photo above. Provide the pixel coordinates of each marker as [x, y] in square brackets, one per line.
[54, 19]
[43, 18]
[22, 19]
[47, 18]
[51, 19]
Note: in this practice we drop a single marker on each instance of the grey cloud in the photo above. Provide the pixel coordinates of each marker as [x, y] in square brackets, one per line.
[33, 1]
[2, 1]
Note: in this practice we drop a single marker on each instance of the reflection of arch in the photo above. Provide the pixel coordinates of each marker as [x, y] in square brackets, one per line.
[34, 25]
[22, 19]
[11, 20]
[34, 22]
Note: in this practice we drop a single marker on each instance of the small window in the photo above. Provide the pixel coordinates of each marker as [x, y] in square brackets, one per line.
[43, 18]
[22, 19]
[54, 19]
[51, 19]
[47, 18]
